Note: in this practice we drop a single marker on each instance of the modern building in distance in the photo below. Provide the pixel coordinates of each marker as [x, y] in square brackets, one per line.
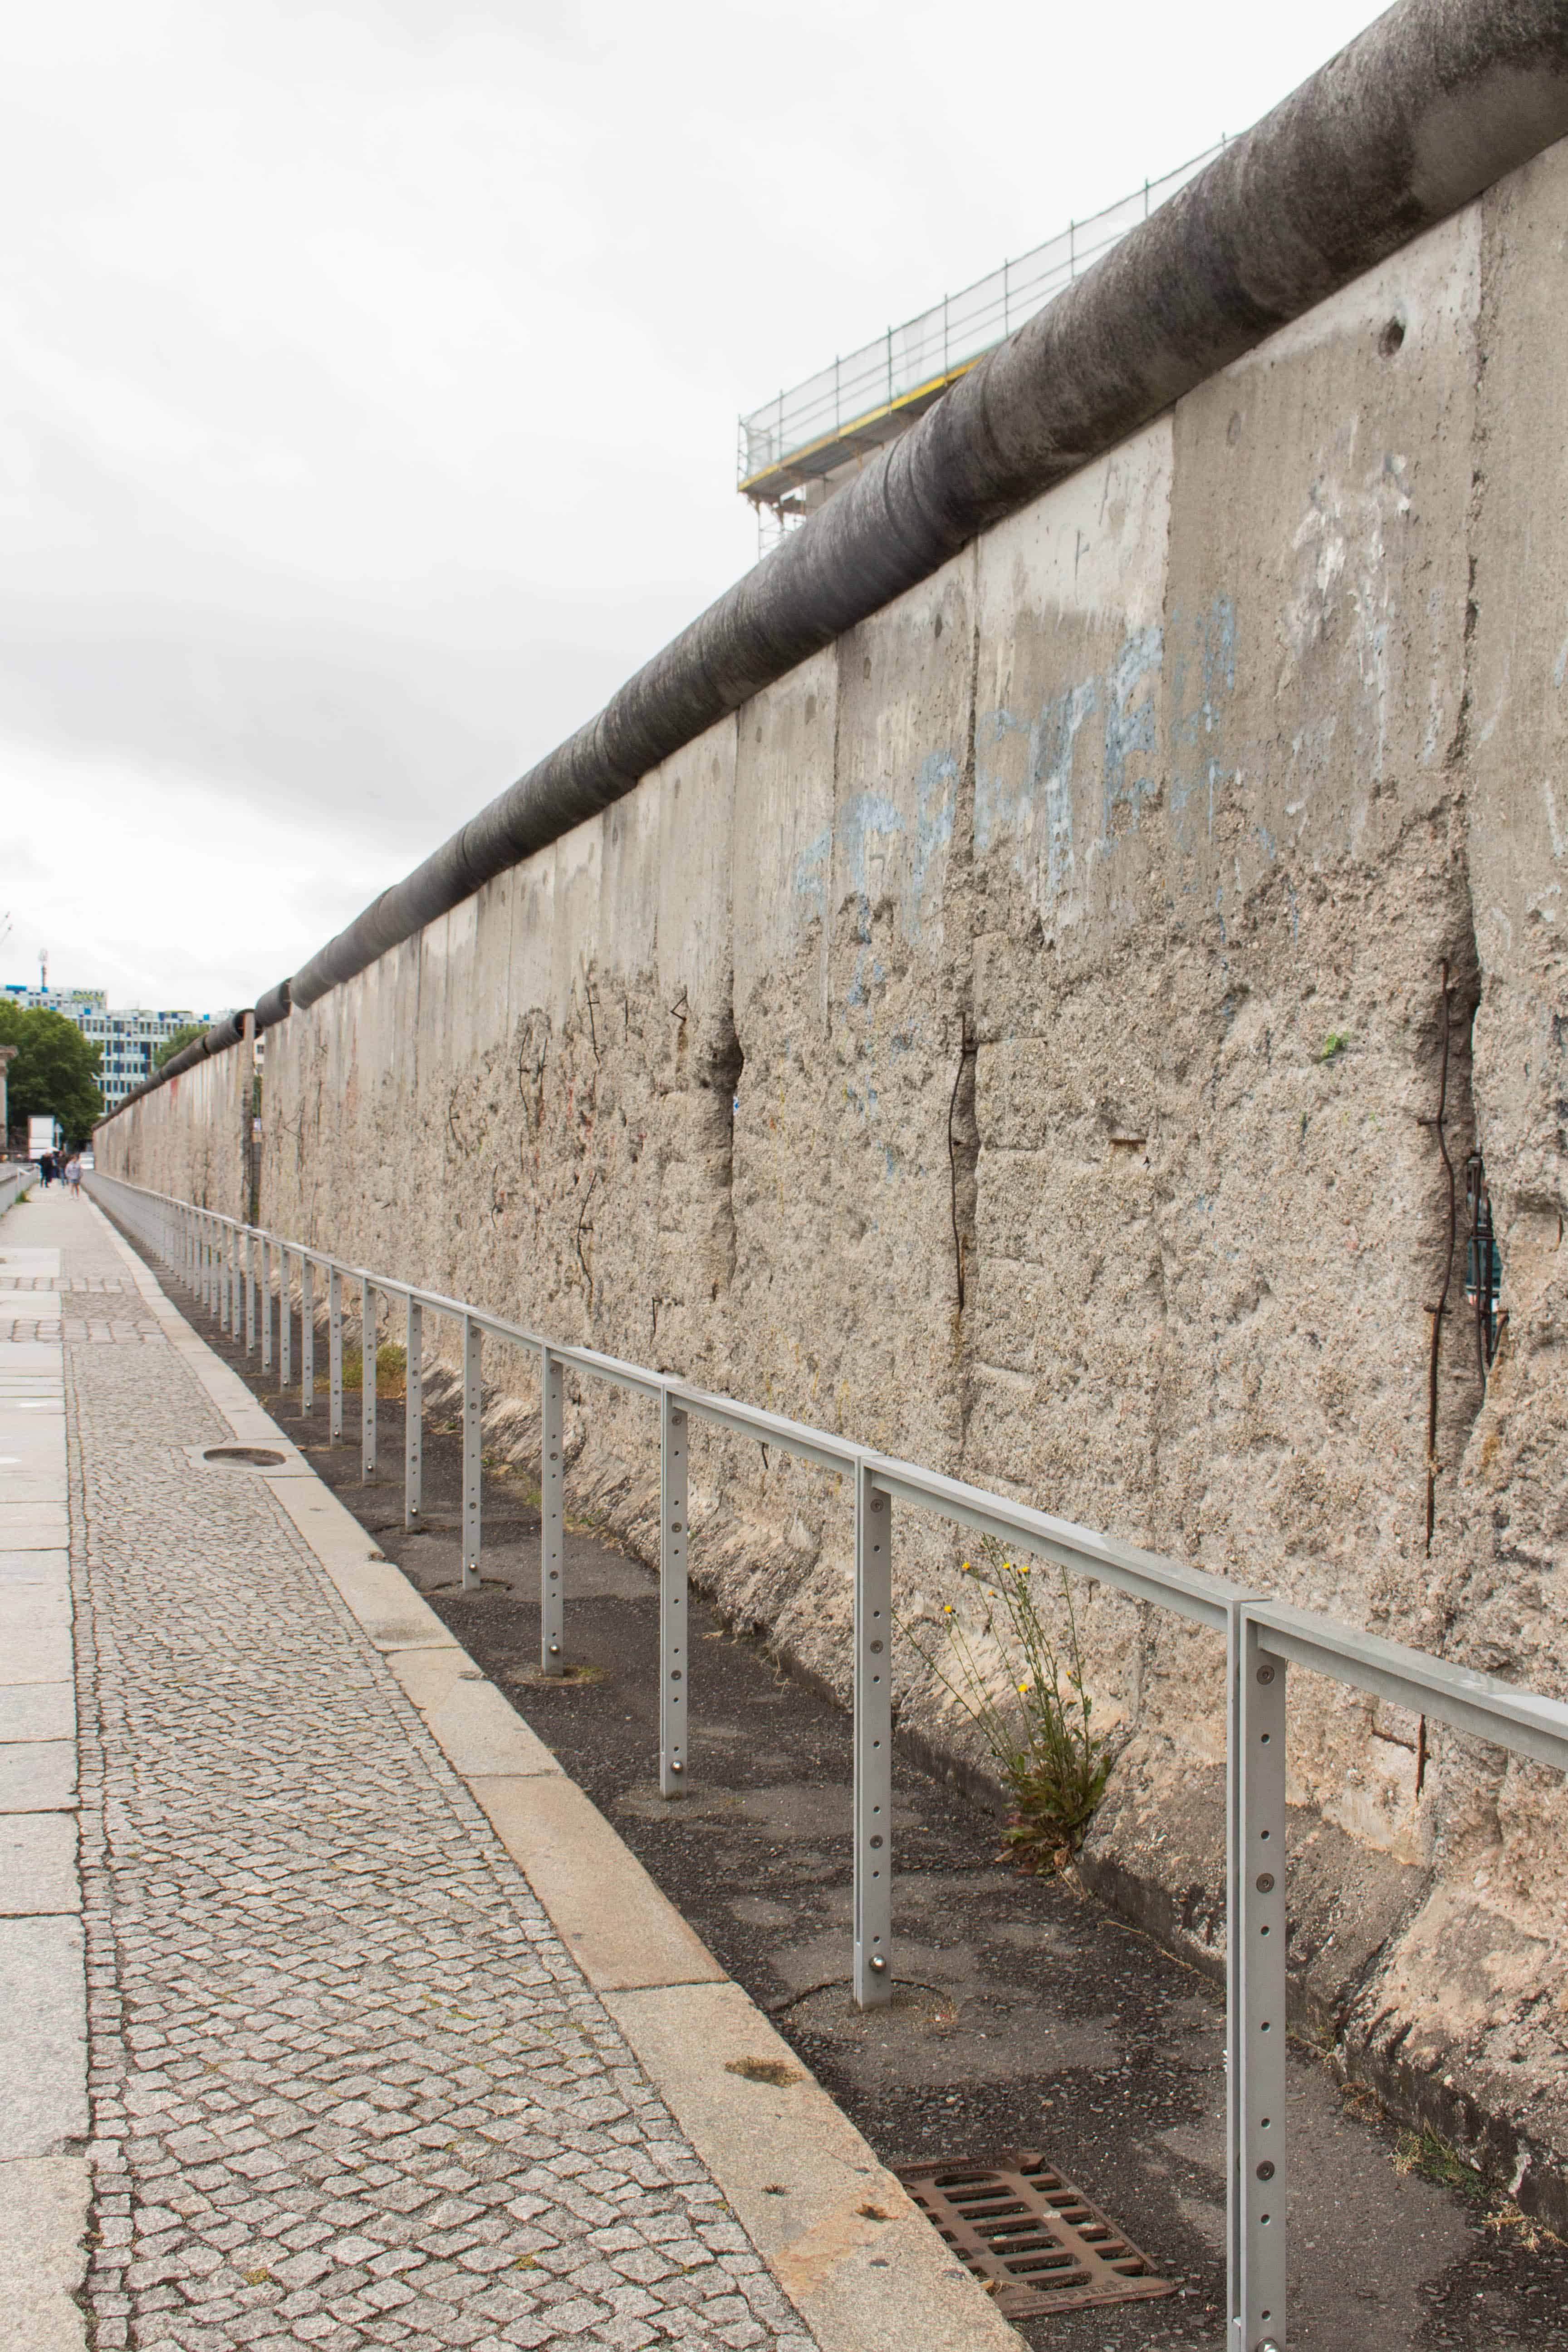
[129, 1036]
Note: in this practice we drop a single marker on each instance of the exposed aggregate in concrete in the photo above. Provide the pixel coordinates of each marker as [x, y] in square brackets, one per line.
[349, 2089]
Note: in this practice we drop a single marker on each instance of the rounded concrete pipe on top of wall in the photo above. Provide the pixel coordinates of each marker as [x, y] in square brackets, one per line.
[1433, 103]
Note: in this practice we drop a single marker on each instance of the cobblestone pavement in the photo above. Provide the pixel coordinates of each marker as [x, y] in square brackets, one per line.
[349, 2089]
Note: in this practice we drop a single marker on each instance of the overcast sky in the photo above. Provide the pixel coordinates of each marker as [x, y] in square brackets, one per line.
[371, 375]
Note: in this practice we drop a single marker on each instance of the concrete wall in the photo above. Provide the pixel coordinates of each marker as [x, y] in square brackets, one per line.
[196, 1142]
[1080, 920]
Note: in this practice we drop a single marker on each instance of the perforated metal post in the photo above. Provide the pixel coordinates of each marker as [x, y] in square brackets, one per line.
[873, 1744]
[334, 1357]
[473, 1455]
[229, 1244]
[265, 1304]
[673, 1661]
[249, 1293]
[367, 1329]
[285, 1321]
[307, 1338]
[413, 1421]
[1255, 1934]
[552, 1517]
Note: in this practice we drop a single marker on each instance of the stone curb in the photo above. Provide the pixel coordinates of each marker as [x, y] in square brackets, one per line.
[862, 2266]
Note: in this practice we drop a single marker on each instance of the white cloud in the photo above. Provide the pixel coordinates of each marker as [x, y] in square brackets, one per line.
[371, 370]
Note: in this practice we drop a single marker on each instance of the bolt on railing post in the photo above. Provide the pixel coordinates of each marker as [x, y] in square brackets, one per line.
[414, 1419]
[307, 1338]
[551, 1515]
[334, 1357]
[1258, 2174]
[285, 1321]
[473, 1453]
[265, 1304]
[674, 1661]
[367, 1381]
[873, 1743]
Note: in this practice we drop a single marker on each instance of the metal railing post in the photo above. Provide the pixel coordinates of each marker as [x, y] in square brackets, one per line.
[414, 1420]
[307, 1338]
[285, 1321]
[334, 1357]
[1258, 2174]
[873, 1743]
[551, 1523]
[673, 1660]
[249, 1292]
[265, 1304]
[235, 1312]
[473, 1451]
[367, 1381]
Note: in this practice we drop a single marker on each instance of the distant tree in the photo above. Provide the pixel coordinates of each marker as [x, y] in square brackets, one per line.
[55, 1074]
[185, 1034]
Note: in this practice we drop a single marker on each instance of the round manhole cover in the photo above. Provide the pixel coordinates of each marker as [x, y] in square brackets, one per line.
[245, 1457]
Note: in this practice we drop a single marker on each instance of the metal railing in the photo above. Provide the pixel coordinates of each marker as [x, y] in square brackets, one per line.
[15, 1179]
[940, 342]
[235, 1270]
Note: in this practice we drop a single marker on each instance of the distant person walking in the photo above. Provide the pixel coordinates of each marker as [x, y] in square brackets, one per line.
[73, 1175]
[48, 1168]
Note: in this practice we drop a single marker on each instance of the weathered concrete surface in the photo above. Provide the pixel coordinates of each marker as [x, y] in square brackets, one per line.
[1077, 924]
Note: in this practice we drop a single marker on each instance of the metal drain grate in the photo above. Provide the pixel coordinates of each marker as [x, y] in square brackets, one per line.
[1032, 2239]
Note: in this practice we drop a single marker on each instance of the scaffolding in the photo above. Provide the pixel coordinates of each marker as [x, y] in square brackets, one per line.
[791, 446]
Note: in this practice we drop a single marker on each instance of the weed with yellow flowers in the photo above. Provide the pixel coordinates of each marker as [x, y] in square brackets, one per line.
[1022, 1688]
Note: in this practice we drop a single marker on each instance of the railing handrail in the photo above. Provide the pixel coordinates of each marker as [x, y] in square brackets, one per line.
[946, 336]
[218, 1256]
[1464, 1695]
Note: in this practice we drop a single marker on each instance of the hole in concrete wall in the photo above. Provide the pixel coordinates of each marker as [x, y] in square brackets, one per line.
[720, 1073]
[1483, 1264]
[963, 1160]
[1455, 1369]
[1392, 338]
